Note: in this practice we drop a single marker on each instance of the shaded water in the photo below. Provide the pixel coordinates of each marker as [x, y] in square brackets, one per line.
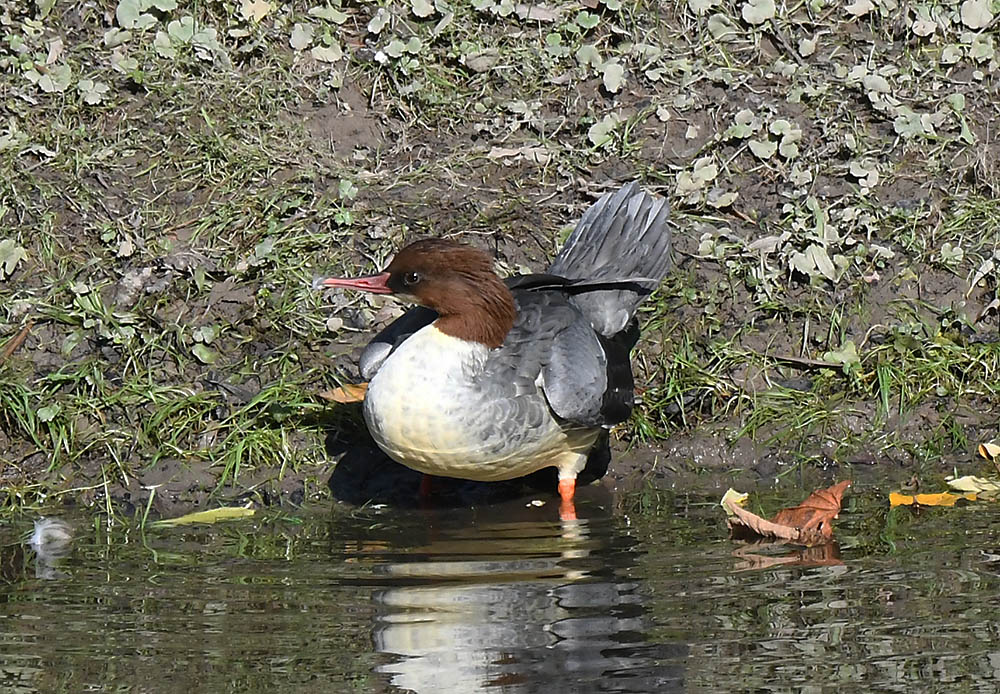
[504, 598]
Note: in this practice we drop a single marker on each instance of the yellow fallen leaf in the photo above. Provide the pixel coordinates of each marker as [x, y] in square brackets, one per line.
[971, 483]
[990, 451]
[211, 516]
[733, 497]
[942, 499]
[347, 393]
[897, 499]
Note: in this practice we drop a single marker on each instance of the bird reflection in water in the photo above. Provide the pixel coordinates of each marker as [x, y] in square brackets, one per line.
[509, 598]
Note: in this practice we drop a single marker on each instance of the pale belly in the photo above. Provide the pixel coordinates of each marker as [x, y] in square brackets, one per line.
[425, 409]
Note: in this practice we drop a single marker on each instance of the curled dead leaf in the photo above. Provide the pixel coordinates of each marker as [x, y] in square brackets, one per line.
[990, 451]
[810, 523]
[977, 485]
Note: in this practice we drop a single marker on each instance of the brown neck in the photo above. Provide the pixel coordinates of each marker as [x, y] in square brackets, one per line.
[485, 315]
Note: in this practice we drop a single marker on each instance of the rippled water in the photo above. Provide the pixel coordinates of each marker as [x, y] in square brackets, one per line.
[504, 598]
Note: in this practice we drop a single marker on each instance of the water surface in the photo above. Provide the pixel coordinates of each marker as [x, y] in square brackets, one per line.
[505, 598]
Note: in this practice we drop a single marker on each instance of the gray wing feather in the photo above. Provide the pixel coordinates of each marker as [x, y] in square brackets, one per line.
[624, 238]
[575, 378]
[552, 347]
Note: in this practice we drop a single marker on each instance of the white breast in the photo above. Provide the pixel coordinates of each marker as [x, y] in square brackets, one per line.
[431, 407]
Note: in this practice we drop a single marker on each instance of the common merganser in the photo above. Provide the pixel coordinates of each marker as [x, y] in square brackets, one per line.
[491, 380]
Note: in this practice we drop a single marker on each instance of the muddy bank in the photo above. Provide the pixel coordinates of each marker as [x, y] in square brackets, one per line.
[166, 206]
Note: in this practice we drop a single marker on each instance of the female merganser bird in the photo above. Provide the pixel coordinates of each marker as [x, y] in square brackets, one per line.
[490, 379]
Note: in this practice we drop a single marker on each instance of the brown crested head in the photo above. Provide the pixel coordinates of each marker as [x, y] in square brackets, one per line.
[455, 280]
[459, 283]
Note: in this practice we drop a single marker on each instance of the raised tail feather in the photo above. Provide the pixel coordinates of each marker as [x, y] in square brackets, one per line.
[623, 240]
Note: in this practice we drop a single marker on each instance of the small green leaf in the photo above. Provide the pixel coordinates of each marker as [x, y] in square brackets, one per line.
[145, 21]
[206, 334]
[703, 172]
[700, 7]
[181, 30]
[847, 356]
[587, 55]
[719, 199]
[378, 22]
[803, 263]
[44, 7]
[745, 124]
[951, 254]
[56, 80]
[302, 36]
[115, 37]
[70, 342]
[93, 92]
[256, 10]
[613, 77]
[10, 256]
[722, 28]
[758, 11]
[327, 54]
[422, 8]
[951, 54]
[601, 133]
[330, 14]
[976, 14]
[822, 261]
[587, 20]
[204, 354]
[764, 149]
[346, 189]
[127, 13]
[262, 252]
[395, 48]
[48, 413]
[163, 46]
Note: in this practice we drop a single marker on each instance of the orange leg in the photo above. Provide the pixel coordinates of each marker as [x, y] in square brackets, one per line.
[567, 509]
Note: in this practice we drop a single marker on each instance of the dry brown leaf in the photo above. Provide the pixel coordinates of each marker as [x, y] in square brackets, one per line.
[810, 523]
[347, 393]
[816, 512]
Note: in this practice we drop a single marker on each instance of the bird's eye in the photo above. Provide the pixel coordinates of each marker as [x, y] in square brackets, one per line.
[411, 278]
